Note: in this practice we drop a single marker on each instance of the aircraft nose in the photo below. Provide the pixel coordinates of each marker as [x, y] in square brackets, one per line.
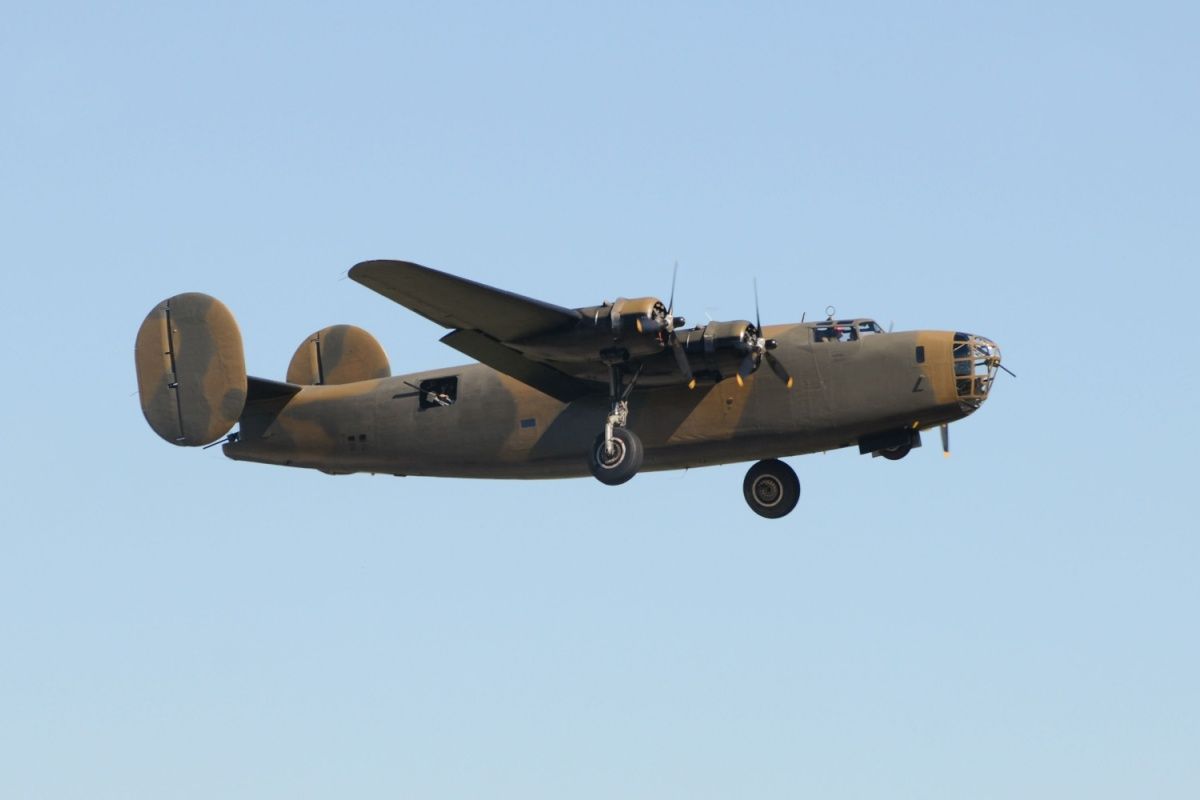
[976, 360]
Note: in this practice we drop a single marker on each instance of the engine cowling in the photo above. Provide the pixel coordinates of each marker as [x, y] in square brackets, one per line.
[628, 328]
[718, 349]
[639, 325]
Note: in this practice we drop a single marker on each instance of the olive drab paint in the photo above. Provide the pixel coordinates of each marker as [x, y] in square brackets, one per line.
[338, 354]
[190, 368]
[554, 386]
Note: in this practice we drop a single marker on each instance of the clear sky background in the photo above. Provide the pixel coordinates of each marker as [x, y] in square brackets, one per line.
[1017, 621]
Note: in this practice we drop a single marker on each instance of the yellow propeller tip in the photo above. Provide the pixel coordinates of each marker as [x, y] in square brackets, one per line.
[945, 454]
[639, 326]
[692, 383]
[789, 383]
[740, 381]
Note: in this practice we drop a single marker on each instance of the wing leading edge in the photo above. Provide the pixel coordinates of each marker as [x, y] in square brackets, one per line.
[455, 302]
[483, 319]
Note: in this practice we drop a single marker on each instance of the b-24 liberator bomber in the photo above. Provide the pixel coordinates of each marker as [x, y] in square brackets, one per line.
[558, 392]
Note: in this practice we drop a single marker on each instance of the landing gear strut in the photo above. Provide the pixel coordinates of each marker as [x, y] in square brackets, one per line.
[617, 454]
[771, 489]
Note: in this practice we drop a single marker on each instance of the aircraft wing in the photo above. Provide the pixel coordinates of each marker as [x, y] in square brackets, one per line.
[483, 319]
[455, 302]
[545, 379]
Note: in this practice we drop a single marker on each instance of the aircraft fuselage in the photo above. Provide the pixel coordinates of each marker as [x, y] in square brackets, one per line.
[498, 427]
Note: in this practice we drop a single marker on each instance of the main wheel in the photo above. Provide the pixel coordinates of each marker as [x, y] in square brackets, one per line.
[622, 463]
[771, 488]
[896, 453]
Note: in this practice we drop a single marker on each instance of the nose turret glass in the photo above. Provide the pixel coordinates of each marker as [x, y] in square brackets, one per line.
[976, 360]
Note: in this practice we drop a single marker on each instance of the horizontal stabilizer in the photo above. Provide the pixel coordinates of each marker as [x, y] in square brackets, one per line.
[259, 390]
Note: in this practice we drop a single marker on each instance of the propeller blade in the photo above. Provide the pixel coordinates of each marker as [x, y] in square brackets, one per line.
[681, 359]
[747, 366]
[671, 302]
[778, 369]
[1006, 369]
[757, 316]
[945, 440]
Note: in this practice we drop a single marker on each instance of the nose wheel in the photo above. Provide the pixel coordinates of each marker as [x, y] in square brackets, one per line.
[771, 489]
[896, 453]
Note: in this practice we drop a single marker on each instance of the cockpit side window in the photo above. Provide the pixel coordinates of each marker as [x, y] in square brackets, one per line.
[839, 331]
[868, 326]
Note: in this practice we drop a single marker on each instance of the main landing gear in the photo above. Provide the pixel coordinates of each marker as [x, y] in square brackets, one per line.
[617, 454]
[617, 460]
[771, 488]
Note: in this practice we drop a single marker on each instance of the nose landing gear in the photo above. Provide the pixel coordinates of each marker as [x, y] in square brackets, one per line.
[771, 489]
[896, 453]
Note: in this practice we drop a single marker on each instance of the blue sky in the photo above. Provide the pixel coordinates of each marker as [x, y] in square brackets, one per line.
[1016, 621]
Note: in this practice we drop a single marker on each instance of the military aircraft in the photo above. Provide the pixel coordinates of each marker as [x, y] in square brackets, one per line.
[558, 392]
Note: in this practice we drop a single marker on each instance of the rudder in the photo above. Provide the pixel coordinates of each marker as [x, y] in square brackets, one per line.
[191, 369]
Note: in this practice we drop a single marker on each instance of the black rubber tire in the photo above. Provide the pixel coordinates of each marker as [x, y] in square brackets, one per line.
[896, 453]
[626, 459]
[771, 489]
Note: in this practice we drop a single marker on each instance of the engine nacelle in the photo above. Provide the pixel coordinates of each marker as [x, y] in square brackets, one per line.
[624, 329]
[638, 325]
[719, 348]
[338, 354]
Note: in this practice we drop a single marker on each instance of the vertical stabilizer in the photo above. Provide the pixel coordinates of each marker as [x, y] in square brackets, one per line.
[191, 369]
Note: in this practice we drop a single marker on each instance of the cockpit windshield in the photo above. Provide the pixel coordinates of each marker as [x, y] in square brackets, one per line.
[844, 330]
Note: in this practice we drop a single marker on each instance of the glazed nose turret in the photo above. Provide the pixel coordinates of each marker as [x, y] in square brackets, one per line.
[976, 359]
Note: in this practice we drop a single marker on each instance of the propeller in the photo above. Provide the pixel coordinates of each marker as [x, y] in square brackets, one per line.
[759, 348]
[667, 325]
[945, 440]
[672, 321]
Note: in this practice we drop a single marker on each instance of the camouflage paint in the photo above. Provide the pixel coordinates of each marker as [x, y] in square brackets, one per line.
[500, 428]
[190, 368]
[342, 413]
[338, 354]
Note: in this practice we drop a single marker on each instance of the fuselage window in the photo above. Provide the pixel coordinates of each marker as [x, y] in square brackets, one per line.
[438, 392]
